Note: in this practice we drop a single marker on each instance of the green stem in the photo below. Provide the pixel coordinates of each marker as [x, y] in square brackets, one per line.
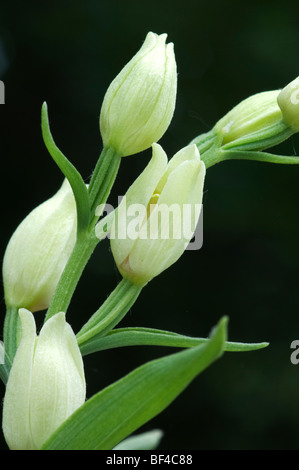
[99, 189]
[71, 275]
[11, 332]
[208, 145]
[102, 180]
[212, 156]
[204, 141]
[111, 312]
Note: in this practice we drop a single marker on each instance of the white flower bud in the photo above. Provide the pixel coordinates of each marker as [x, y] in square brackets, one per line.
[256, 113]
[167, 199]
[46, 383]
[39, 250]
[288, 101]
[139, 103]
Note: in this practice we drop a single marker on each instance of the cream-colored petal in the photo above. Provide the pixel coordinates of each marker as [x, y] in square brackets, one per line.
[161, 243]
[58, 383]
[138, 194]
[39, 250]
[250, 115]
[139, 104]
[190, 152]
[16, 422]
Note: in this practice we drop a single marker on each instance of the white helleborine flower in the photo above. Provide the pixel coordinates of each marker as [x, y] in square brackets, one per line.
[38, 251]
[288, 101]
[139, 104]
[46, 383]
[258, 112]
[167, 198]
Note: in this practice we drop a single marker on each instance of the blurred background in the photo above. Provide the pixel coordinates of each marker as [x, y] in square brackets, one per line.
[67, 53]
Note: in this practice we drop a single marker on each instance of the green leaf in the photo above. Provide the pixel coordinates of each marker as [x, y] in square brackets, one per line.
[261, 139]
[144, 441]
[11, 333]
[258, 156]
[111, 312]
[70, 172]
[151, 337]
[117, 411]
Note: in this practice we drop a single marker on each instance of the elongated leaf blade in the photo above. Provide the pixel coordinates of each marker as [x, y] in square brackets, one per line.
[123, 337]
[70, 172]
[259, 157]
[111, 415]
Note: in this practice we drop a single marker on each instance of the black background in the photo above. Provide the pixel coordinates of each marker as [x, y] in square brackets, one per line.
[67, 53]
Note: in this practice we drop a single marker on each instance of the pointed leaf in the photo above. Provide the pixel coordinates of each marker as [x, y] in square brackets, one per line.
[70, 172]
[117, 411]
[151, 337]
[258, 156]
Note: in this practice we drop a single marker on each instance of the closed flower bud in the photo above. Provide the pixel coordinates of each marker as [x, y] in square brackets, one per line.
[139, 103]
[253, 116]
[39, 250]
[288, 101]
[46, 382]
[167, 199]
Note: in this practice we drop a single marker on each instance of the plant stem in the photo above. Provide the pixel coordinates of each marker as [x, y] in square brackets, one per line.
[70, 277]
[99, 189]
[111, 312]
[212, 156]
[102, 180]
[204, 141]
